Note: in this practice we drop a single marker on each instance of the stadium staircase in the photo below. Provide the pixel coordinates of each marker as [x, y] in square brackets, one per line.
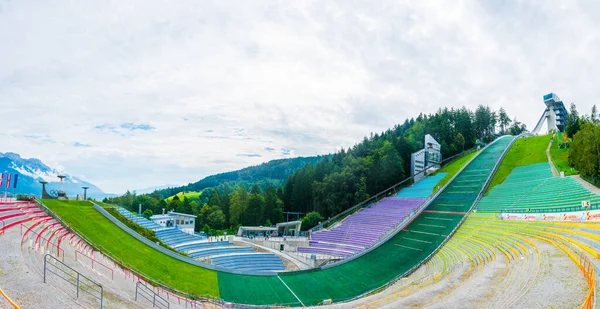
[532, 187]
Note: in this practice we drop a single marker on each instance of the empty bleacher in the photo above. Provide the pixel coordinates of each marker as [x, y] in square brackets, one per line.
[141, 221]
[423, 188]
[250, 261]
[224, 253]
[362, 229]
[533, 187]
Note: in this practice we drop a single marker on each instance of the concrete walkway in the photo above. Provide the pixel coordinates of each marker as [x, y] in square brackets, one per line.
[587, 185]
[552, 167]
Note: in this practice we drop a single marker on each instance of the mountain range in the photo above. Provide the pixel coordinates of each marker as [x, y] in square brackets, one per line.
[32, 171]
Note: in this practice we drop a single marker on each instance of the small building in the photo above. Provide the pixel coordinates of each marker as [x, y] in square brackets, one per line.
[291, 228]
[184, 222]
[426, 160]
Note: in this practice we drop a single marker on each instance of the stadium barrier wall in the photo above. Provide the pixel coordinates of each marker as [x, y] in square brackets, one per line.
[574, 216]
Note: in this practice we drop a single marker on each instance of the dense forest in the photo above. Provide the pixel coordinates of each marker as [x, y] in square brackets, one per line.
[327, 185]
[584, 152]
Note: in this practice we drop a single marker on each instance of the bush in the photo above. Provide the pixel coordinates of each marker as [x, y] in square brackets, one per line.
[310, 220]
[23, 197]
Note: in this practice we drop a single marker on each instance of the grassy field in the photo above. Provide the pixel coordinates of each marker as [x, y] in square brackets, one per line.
[181, 195]
[452, 169]
[105, 235]
[525, 151]
[560, 157]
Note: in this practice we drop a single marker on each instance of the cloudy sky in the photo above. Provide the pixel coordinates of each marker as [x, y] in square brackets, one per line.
[132, 94]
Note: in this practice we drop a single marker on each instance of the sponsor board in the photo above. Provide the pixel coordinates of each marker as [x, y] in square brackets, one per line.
[576, 216]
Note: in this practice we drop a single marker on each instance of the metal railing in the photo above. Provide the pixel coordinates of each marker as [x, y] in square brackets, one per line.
[551, 210]
[383, 194]
[73, 277]
[94, 261]
[148, 294]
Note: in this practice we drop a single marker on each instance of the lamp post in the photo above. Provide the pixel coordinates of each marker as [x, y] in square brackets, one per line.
[85, 193]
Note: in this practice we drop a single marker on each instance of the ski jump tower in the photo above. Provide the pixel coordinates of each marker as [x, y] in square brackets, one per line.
[555, 115]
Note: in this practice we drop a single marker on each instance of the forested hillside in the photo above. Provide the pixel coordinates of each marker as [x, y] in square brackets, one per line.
[324, 186]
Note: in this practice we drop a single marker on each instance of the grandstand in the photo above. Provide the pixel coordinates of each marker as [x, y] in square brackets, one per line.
[475, 244]
[362, 229]
[532, 187]
[219, 253]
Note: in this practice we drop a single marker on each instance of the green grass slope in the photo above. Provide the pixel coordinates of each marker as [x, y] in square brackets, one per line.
[560, 157]
[108, 237]
[525, 151]
[181, 195]
[452, 169]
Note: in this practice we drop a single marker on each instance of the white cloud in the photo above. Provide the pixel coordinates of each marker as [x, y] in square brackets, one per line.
[193, 88]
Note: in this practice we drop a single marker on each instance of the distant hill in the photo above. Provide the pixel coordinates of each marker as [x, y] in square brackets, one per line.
[272, 172]
[32, 170]
[152, 189]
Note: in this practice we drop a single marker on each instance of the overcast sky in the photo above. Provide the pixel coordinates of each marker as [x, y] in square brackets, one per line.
[133, 94]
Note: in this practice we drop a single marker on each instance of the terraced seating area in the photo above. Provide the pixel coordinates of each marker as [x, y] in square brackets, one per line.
[174, 237]
[362, 229]
[141, 221]
[533, 187]
[16, 213]
[250, 261]
[423, 188]
[220, 251]
[201, 246]
[198, 247]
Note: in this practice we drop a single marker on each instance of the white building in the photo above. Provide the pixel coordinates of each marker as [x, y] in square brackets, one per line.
[426, 160]
[184, 222]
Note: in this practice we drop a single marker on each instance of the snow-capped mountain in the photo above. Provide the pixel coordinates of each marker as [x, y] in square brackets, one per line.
[32, 171]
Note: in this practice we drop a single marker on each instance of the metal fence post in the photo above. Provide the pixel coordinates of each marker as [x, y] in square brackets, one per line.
[136, 290]
[153, 300]
[77, 284]
[45, 260]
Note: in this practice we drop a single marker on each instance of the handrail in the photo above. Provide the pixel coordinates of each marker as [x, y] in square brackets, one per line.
[385, 193]
[12, 303]
[112, 274]
[78, 278]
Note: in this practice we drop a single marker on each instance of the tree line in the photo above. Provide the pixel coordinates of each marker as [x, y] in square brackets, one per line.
[333, 183]
[584, 152]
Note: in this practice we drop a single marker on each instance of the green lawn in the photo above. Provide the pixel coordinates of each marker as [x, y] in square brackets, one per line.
[560, 157]
[452, 169]
[181, 195]
[108, 237]
[525, 151]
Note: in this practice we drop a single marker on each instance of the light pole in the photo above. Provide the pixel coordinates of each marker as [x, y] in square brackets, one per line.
[85, 193]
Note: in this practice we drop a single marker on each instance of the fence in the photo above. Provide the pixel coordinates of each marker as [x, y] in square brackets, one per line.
[68, 274]
[551, 210]
[94, 261]
[148, 294]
